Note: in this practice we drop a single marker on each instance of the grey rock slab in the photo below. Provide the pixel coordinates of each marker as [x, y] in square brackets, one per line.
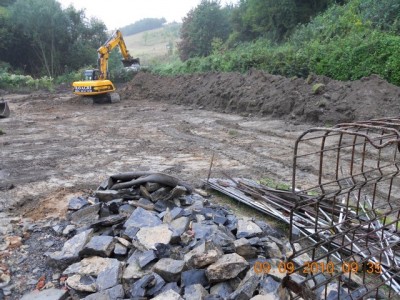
[178, 227]
[245, 289]
[82, 283]
[268, 286]
[116, 292]
[48, 294]
[77, 203]
[244, 248]
[227, 267]
[98, 246]
[333, 291]
[202, 260]
[109, 276]
[142, 218]
[138, 289]
[146, 257]
[107, 195]
[222, 289]
[108, 221]
[156, 285]
[133, 272]
[170, 286]
[149, 236]
[169, 269]
[195, 291]
[247, 228]
[272, 249]
[85, 215]
[168, 295]
[91, 266]
[270, 296]
[194, 276]
[120, 250]
[70, 251]
[126, 210]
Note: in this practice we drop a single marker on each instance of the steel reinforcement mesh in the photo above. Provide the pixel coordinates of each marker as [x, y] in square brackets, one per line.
[344, 228]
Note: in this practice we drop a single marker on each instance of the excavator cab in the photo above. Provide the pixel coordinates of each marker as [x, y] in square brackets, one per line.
[91, 75]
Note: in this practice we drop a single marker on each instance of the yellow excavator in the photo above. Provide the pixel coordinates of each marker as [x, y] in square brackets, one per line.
[96, 83]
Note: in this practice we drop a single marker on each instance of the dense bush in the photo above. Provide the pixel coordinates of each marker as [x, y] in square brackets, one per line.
[347, 42]
[22, 82]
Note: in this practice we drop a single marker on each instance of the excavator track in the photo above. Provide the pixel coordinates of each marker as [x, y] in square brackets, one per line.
[106, 98]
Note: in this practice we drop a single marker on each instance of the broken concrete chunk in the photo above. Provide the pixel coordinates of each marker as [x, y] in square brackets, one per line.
[169, 269]
[149, 236]
[98, 246]
[227, 267]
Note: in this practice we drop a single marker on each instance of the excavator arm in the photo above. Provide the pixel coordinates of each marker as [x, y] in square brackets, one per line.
[104, 53]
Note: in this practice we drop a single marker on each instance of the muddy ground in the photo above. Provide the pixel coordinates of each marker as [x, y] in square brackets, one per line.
[57, 146]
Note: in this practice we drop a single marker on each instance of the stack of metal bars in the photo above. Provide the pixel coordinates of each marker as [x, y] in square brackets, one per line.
[352, 210]
[344, 229]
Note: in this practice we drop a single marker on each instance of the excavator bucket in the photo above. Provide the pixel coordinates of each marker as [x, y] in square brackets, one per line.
[4, 110]
[130, 62]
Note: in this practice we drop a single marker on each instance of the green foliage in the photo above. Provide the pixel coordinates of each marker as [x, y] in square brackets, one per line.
[273, 19]
[2, 132]
[201, 25]
[142, 25]
[22, 82]
[346, 42]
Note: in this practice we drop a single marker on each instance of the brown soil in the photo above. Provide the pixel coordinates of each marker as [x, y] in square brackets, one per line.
[260, 94]
[57, 145]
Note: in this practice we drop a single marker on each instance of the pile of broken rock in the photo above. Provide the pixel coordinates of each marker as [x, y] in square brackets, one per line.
[150, 236]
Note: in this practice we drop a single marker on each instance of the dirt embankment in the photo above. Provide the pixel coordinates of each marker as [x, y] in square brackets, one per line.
[260, 94]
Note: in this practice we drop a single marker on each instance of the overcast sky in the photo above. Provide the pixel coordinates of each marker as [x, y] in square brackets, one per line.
[118, 13]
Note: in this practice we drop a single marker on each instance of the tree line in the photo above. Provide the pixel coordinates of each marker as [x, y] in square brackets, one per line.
[40, 38]
[342, 39]
[247, 21]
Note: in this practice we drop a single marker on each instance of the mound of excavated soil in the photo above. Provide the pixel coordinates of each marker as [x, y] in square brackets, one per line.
[262, 94]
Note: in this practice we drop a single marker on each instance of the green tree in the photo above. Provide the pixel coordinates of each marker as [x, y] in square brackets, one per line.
[44, 23]
[200, 26]
[252, 19]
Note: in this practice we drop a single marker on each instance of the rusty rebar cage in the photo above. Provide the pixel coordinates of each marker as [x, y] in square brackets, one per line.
[349, 219]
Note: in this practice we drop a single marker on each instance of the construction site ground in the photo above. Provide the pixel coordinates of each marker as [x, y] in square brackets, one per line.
[56, 145]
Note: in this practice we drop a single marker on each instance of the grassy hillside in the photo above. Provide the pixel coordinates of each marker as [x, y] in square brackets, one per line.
[154, 45]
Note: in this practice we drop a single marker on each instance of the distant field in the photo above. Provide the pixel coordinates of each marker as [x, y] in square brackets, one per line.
[156, 44]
